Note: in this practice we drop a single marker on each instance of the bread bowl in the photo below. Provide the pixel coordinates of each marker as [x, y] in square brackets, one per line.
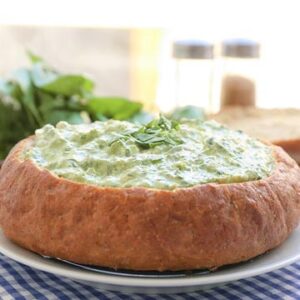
[205, 225]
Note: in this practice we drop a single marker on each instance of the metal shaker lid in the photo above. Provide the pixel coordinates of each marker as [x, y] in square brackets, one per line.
[193, 49]
[242, 48]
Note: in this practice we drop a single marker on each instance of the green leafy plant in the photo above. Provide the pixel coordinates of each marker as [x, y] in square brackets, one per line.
[40, 95]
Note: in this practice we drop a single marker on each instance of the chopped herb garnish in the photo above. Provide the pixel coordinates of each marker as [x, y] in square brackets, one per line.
[157, 132]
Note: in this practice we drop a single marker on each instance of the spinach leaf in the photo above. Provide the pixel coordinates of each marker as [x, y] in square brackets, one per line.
[187, 112]
[13, 123]
[48, 103]
[141, 117]
[34, 58]
[113, 107]
[72, 117]
[68, 84]
[22, 76]
[10, 88]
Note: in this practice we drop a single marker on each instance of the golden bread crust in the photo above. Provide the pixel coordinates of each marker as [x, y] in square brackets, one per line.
[205, 226]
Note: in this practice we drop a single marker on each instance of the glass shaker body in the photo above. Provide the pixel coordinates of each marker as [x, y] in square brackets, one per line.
[193, 73]
[193, 82]
[240, 69]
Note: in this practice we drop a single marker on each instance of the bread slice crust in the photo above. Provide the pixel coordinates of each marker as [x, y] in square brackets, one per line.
[278, 126]
[205, 226]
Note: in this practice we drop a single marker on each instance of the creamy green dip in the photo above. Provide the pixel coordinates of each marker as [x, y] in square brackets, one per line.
[104, 154]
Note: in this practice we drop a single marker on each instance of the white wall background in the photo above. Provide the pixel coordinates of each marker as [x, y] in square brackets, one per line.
[276, 24]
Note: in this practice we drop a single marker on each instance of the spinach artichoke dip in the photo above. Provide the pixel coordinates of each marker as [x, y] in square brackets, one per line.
[162, 154]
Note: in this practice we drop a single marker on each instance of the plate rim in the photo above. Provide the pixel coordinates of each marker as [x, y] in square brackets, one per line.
[54, 267]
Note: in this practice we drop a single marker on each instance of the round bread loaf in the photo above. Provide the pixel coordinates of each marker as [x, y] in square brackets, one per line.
[205, 226]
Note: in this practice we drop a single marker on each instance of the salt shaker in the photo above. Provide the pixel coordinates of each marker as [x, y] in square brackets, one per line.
[193, 72]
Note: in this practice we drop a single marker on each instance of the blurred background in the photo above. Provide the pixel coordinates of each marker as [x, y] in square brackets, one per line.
[126, 46]
[164, 54]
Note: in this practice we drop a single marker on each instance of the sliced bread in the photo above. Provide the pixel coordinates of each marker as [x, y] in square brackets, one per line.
[278, 126]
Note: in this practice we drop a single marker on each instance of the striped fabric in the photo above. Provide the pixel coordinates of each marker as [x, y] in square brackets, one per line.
[18, 281]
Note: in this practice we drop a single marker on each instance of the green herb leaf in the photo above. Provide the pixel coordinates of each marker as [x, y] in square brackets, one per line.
[49, 103]
[113, 107]
[34, 58]
[51, 81]
[22, 76]
[141, 117]
[189, 112]
[10, 88]
[67, 85]
[71, 117]
[12, 122]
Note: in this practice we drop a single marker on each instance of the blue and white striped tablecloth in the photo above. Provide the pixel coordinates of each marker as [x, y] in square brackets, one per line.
[18, 281]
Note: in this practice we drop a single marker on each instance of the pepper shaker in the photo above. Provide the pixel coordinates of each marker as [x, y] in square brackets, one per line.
[240, 70]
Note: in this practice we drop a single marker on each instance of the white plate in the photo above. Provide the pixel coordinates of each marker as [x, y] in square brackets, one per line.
[284, 255]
